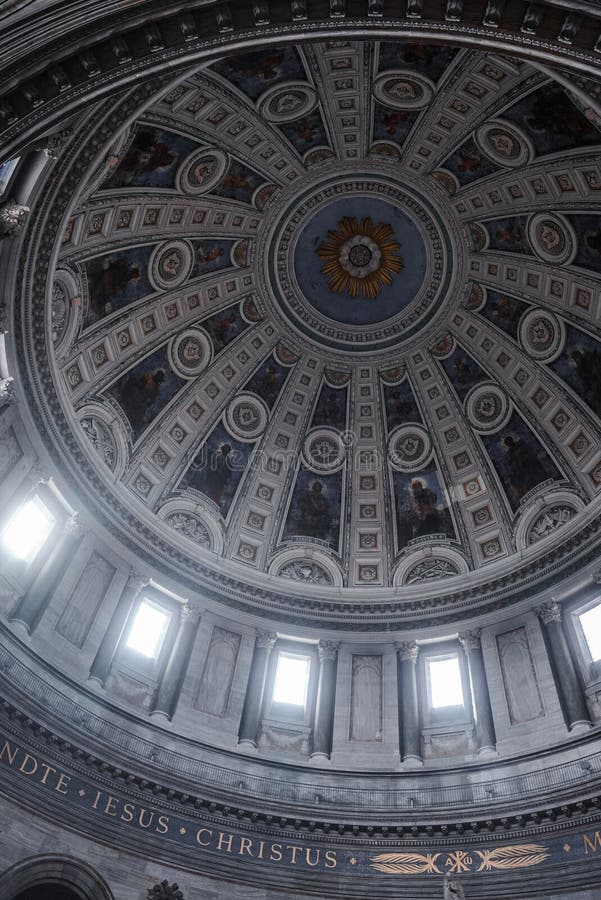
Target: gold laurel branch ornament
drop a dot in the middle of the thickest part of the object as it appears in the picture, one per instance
(519, 857)
(406, 863)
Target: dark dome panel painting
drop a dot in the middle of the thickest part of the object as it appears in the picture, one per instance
(300, 450)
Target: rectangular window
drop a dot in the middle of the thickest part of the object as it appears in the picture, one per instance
(291, 679)
(28, 529)
(148, 629)
(445, 688)
(591, 626)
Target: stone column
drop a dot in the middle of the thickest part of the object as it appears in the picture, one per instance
(485, 728)
(173, 677)
(112, 636)
(251, 714)
(567, 683)
(326, 691)
(408, 652)
(32, 605)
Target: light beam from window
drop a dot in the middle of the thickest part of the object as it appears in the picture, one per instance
(147, 630)
(28, 529)
(446, 688)
(591, 625)
(291, 680)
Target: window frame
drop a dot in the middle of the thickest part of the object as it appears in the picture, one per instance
(57, 520)
(291, 713)
(129, 659)
(444, 715)
(591, 668)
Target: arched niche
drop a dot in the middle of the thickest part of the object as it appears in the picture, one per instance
(53, 877)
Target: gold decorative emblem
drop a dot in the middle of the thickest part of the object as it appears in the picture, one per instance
(360, 257)
(520, 856)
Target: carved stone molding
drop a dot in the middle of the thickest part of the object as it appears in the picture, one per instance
(266, 640)
(12, 218)
(165, 891)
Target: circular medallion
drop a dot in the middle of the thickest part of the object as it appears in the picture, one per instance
(284, 103)
(324, 450)
(552, 238)
(358, 264)
(170, 264)
(409, 447)
(504, 143)
(487, 407)
(190, 353)
(403, 89)
(202, 171)
(246, 417)
(542, 335)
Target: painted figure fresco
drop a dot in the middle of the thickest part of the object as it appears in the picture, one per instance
(330, 409)
(504, 312)
(145, 390)
(552, 120)
(224, 326)
(116, 281)
(421, 508)
(427, 59)
(306, 132)
(588, 231)
(580, 366)
(211, 255)
(152, 159)
(252, 73)
(315, 507)
(520, 459)
(463, 371)
(268, 381)
(508, 235)
(392, 124)
(218, 467)
(469, 164)
(239, 183)
(400, 405)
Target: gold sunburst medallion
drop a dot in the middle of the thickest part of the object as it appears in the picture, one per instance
(360, 258)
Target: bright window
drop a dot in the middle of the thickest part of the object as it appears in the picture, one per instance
(444, 681)
(291, 679)
(28, 529)
(148, 629)
(591, 625)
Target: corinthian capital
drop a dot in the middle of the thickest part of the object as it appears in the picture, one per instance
(328, 649)
(408, 651)
(470, 640)
(549, 612)
(266, 640)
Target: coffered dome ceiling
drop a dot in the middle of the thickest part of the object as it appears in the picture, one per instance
(325, 320)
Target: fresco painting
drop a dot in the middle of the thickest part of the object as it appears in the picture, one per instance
(580, 367)
(239, 183)
(315, 507)
(504, 312)
(217, 468)
(427, 59)
(253, 73)
(421, 508)
(588, 231)
(520, 459)
(468, 163)
(400, 405)
(224, 326)
(211, 255)
(508, 235)
(463, 371)
(392, 124)
(145, 390)
(152, 159)
(552, 120)
(116, 281)
(306, 132)
(330, 410)
(268, 381)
